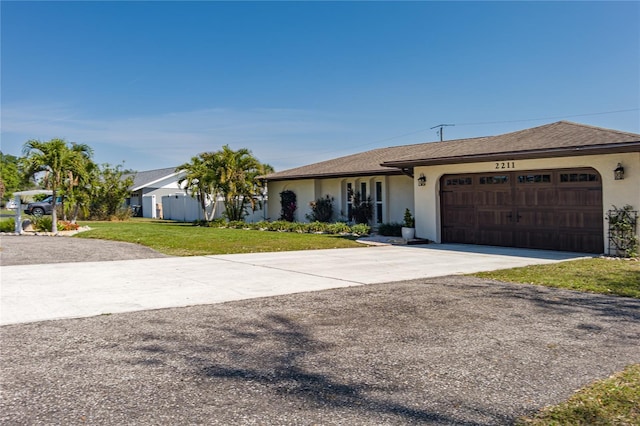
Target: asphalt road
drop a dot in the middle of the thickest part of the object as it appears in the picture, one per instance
(450, 350)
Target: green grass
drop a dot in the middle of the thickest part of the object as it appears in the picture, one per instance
(184, 239)
(612, 401)
(619, 277)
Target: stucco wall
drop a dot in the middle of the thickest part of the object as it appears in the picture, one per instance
(397, 195)
(614, 192)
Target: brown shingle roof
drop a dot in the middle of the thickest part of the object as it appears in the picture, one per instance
(556, 139)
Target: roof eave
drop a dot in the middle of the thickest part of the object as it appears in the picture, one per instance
(519, 155)
(146, 184)
(390, 171)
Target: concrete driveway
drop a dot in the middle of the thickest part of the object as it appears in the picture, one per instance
(70, 290)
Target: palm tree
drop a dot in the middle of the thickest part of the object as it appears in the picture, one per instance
(228, 173)
(238, 172)
(59, 162)
(200, 180)
(78, 181)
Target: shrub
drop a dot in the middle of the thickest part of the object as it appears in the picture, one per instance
(409, 221)
(7, 225)
(338, 228)
(279, 225)
(361, 210)
(237, 224)
(315, 227)
(288, 204)
(43, 224)
(67, 226)
(392, 229)
(622, 229)
(321, 210)
(361, 229)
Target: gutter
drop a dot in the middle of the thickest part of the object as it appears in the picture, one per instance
(517, 155)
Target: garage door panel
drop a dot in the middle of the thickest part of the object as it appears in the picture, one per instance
(494, 237)
(539, 239)
(580, 242)
(579, 197)
(549, 209)
(535, 197)
(587, 220)
(536, 218)
(458, 235)
(499, 198)
(491, 218)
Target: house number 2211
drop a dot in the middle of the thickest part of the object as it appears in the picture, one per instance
(506, 165)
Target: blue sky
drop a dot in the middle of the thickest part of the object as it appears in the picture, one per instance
(155, 83)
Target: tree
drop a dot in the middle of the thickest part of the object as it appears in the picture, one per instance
(109, 190)
(78, 183)
(200, 181)
(11, 177)
(237, 173)
(57, 161)
(230, 174)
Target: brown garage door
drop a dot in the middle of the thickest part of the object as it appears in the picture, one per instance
(544, 209)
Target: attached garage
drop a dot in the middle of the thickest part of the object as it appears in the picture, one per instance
(541, 209)
(548, 187)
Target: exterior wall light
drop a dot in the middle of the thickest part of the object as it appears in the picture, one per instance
(422, 180)
(619, 172)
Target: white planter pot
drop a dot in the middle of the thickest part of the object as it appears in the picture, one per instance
(408, 233)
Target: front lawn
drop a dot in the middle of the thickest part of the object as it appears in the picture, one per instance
(612, 401)
(185, 239)
(619, 277)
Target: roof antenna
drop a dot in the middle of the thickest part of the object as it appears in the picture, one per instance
(440, 130)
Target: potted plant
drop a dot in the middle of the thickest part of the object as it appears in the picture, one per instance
(408, 230)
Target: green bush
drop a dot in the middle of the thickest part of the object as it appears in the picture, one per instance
(288, 204)
(338, 228)
(279, 225)
(361, 229)
(392, 229)
(316, 227)
(7, 225)
(237, 224)
(284, 226)
(43, 224)
(321, 210)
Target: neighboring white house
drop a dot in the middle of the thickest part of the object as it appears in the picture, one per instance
(547, 187)
(157, 194)
(149, 187)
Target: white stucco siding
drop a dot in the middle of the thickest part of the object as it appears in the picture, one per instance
(400, 195)
(304, 190)
(615, 192)
(397, 195)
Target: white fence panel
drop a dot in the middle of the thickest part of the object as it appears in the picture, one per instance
(185, 208)
(149, 206)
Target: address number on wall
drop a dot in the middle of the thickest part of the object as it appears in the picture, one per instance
(505, 165)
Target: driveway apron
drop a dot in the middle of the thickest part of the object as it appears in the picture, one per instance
(71, 290)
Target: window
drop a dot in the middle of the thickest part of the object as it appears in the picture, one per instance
(494, 180)
(459, 181)
(349, 200)
(534, 178)
(578, 177)
(378, 202)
